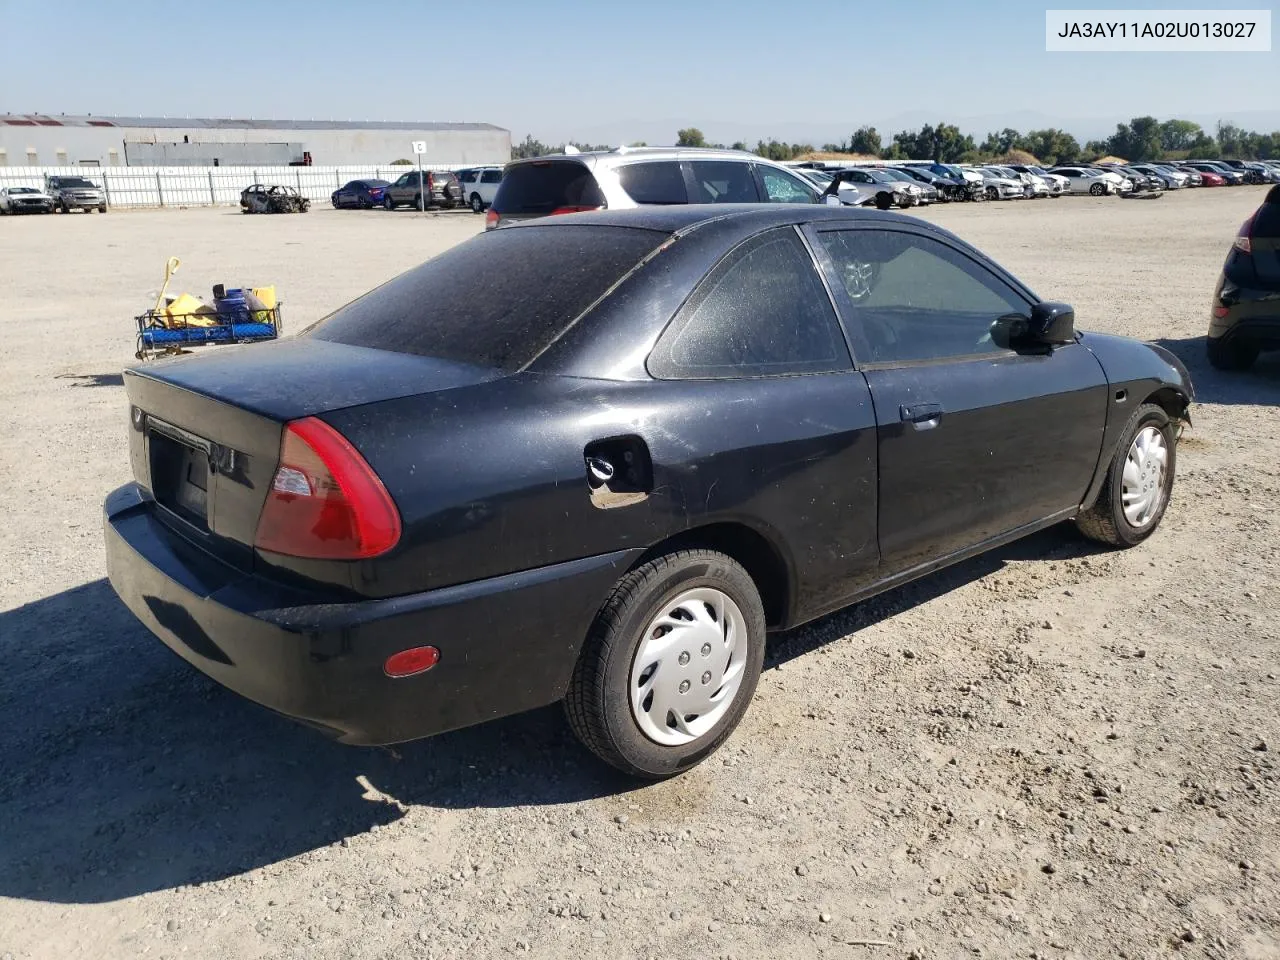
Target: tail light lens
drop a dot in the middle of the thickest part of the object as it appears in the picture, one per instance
(1244, 236)
(325, 502)
(491, 218)
(431, 182)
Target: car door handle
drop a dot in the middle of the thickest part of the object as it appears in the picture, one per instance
(924, 416)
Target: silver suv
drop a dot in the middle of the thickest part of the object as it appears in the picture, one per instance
(638, 176)
(75, 193)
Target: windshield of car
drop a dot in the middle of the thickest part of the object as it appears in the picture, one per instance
(879, 176)
(74, 182)
(22, 190)
(497, 300)
(820, 175)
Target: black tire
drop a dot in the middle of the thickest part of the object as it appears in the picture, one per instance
(1231, 353)
(103, 208)
(418, 204)
(598, 706)
(388, 203)
(1105, 520)
(884, 200)
(1097, 189)
(477, 205)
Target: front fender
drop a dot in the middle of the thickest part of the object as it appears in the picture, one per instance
(1137, 373)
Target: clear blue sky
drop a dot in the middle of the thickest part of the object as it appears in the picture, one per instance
(558, 68)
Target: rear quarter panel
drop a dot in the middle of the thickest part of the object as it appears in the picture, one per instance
(491, 479)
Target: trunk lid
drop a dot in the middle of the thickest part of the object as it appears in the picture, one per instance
(206, 430)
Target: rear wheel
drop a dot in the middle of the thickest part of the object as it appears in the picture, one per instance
(992, 193)
(670, 664)
(1231, 353)
(477, 205)
(1097, 189)
(1138, 484)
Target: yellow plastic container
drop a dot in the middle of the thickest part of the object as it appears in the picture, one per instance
(190, 311)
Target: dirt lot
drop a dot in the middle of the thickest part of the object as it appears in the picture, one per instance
(1053, 751)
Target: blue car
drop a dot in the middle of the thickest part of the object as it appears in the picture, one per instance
(363, 194)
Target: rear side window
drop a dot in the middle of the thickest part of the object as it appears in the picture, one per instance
(497, 300)
(491, 176)
(762, 311)
(723, 181)
(544, 186)
(660, 182)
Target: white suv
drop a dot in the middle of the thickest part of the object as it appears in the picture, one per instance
(479, 186)
(634, 177)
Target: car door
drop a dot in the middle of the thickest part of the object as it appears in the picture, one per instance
(765, 420)
(974, 440)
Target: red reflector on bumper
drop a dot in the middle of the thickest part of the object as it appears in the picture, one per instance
(1220, 312)
(415, 660)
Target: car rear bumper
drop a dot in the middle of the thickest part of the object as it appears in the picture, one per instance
(506, 644)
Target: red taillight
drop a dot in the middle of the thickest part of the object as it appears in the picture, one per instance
(491, 218)
(1220, 312)
(559, 210)
(408, 662)
(1244, 236)
(325, 501)
(431, 182)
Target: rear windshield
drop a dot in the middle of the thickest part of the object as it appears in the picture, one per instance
(547, 185)
(497, 300)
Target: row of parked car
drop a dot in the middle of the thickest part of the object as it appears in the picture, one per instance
(914, 182)
(421, 189)
(59, 195)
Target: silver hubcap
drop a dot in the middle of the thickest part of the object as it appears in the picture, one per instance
(689, 667)
(1142, 488)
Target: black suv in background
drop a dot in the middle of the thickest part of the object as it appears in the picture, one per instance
(1245, 318)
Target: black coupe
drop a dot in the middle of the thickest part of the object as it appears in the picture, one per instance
(594, 458)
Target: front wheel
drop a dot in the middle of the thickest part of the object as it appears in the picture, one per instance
(1097, 189)
(670, 664)
(993, 193)
(1138, 483)
(884, 201)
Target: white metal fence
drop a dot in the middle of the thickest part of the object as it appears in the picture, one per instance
(206, 186)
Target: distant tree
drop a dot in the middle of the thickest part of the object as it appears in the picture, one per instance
(1002, 142)
(738, 145)
(402, 163)
(865, 140)
(638, 143)
(530, 148)
(1178, 134)
(1094, 149)
(1139, 139)
(690, 137)
(944, 143)
(1204, 147)
(1051, 146)
(893, 152)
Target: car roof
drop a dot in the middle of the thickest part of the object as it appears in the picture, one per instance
(622, 155)
(675, 218)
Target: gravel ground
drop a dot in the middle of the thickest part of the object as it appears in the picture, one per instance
(1051, 751)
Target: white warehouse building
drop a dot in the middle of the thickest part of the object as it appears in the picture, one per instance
(33, 140)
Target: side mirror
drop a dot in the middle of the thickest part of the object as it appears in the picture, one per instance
(831, 200)
(1050, 325)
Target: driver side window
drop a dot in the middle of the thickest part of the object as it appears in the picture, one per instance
(914, 298)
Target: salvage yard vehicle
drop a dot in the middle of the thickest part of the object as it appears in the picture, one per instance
(479, 186)
(886, 192)
(1245, 317)
(639, 176)
(361, 194)
(260, 198)
(75, 193)
(439, 187)
(595, 458)
(25, 200)
(1090, 180)
(846, 192)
